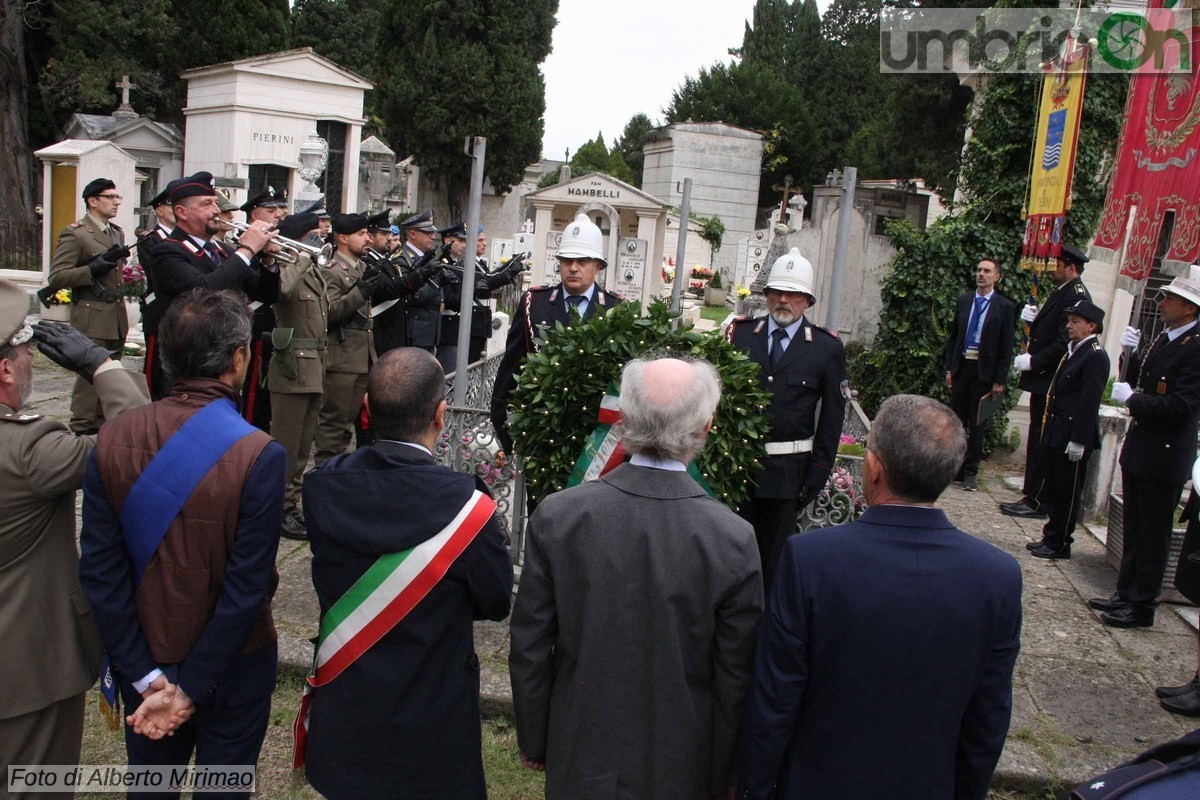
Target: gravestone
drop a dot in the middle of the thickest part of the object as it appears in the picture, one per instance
(629, 276)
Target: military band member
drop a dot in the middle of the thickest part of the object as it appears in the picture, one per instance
(978, 357)
(350, 348)
(379, 227)
(296, 374)
(1159, 449)
(481, 313)
(269, 207)
(151, 307)
(422, 313)
(393, 239)
(52, 650)
(87, 260)
(803, 366)
(318, 237)
(576, 297)
(227, 207)
(190, 258)
(1046, 347)
(1071, 432)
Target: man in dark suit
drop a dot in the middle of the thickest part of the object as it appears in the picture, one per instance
(152, 309)
(580, 258)
(884, 661)
(416, 320)
(268, 206)
(1046, 347)
(633, 629)
(978, 357)
(803, 366)
(178, 561)
(1156, 459)
(189, 258)
(402, 718)
(1072, 430)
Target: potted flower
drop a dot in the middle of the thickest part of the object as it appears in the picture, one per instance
(714, 292)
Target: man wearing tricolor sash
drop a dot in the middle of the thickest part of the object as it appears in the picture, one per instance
(406, 555)
(183, 502)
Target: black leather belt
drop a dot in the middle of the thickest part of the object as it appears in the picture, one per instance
(357, 324)
(90, 293)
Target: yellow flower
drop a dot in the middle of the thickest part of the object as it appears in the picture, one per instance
(63, 295)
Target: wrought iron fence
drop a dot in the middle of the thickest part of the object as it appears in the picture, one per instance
(468, 444)
(20, 245)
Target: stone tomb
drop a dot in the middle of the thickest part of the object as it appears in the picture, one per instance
(634, 224)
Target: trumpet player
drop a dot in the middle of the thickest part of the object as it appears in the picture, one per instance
(190, 257)
(268, 206)
(296, 373)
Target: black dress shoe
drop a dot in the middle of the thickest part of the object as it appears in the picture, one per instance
(1178, 691)
(1021, 509)
(1108, 603)
(1044, 550)
(968, 483)
(1033, 545)
(1186, 704)
(1128, 617)
(293, 528)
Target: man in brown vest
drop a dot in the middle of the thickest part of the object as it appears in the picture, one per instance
(183, 501)
(51, 648)
(87, 260)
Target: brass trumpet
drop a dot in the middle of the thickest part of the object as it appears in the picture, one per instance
(289, 249)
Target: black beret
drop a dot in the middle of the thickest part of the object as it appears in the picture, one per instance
(315, 207)
(295, 226)
(380, 221)
(1073, 255)
(198, 185)
(97, 186)
(349, 223)
(1089, 311)
(267, 198)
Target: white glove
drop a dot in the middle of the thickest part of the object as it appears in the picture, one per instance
(1130, 338)
(1121, 392)
(1023, 362)
(1029, 313)
(1074, 451)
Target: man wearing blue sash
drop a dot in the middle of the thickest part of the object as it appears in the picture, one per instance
(183, 502)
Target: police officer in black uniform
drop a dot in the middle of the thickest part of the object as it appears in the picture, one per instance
(152, 308)
(1072, 427)
(1046, 347)
(580, 258)
(1156, 459)
(803, 366)
(416, 265)
(481, 312)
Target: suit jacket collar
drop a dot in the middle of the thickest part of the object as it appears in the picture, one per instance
(656, 483)
(399, 451)
(906, 517)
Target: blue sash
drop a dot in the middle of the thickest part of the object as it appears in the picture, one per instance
(161, 490)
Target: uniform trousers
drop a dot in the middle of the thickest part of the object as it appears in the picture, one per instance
(774, 520)
(1149, 510)
(1034, 488)
(294, 425)
(1063, 490)
(51, 735)
(966, 392)
(87, 414)
(343, 398)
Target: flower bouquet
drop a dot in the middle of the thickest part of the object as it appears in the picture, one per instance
(133, 282)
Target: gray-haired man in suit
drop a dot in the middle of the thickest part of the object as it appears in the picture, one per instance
(634, 625)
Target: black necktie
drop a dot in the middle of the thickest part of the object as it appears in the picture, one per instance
(213, 254)
(778, 337)
(573, 302)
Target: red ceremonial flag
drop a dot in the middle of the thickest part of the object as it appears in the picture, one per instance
(1157, 170)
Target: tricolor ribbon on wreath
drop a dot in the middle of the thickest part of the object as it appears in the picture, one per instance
(603, 451)
(379, 600)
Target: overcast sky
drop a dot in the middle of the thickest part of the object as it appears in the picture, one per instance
(615, 58)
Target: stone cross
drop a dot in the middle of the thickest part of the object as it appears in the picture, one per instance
(788, 191)
(125, 110)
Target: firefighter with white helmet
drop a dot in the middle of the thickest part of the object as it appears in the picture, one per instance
(803, 366)
(576, 297)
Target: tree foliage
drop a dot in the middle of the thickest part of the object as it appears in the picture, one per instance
(594, 156)
(630, 145)
(447, 71)
(558, 398)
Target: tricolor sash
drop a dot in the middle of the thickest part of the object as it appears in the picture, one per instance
(159, 493)
(379, 600)
(603, 451)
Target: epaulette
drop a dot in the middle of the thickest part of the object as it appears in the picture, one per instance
(1096, 345)
(733, 323)
(74, 225)
(825, 331)
(162, 236)
(1080, 289)
(540, 288)
(16, 416)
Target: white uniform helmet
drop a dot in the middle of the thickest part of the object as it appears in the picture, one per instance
(792, 273)
(582, 239)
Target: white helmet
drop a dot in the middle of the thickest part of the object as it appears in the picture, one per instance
(792, 273)
(582, 239)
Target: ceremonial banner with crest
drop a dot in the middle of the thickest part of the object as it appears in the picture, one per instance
(1157, 170)
(1053, 164)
